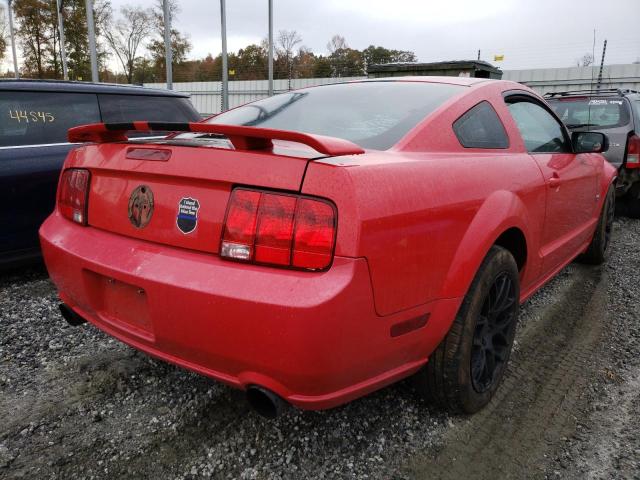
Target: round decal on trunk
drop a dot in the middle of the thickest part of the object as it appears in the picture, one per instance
(141, 206)
(187, 219)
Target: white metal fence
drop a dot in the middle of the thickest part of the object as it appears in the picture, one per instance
(206, 96)
(545, 80)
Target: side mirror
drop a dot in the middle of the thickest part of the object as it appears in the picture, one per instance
(589, 142)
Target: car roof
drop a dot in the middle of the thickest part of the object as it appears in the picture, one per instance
(603, 92)
(463, 81)
(84, 87)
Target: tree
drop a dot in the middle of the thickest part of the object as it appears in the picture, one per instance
(322, 67)
(585, 60)
(126, 34)
(250, 63)
(304, 63)
(379, 55)
(76, 36)
(347, 62)
(180, 45)
(32, 17)
(3, 33)
(286, 42)
(337, 42)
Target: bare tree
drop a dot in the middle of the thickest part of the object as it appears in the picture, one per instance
(337, 42)
(127, 34)
(585, 60)
(287, 40)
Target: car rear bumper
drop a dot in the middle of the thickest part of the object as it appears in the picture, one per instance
(313, 338)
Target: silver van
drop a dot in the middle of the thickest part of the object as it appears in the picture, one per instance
(616, 113)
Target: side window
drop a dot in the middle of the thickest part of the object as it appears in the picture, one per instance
(131, 108)
(481, 127)
(540, 131)
(32, 118)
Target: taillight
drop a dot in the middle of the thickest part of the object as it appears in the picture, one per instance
(72, 194)
(633, 152)
(279, 229)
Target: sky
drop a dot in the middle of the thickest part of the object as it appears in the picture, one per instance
(529, 33)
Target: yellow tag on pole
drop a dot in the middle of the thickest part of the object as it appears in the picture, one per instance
(498, 58)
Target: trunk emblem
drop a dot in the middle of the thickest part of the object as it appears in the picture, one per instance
(187, 219)
(141, 206)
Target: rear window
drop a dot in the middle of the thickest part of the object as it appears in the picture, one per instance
(371, 114)
(33, 118)
(131, 108)
(592, 112)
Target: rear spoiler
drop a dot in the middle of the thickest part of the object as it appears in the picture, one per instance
(242, 137)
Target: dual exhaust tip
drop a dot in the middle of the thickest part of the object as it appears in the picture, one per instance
(263, 401)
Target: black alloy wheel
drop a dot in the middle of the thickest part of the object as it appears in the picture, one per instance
(494, 329)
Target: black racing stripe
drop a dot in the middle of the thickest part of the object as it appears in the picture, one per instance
(170, 126)
(119, 126)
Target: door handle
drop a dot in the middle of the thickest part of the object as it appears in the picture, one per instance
(554, 181)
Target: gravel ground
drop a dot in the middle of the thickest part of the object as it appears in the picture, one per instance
(77, 404)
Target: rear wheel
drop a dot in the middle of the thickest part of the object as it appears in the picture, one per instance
(599, 247)
(466, 369)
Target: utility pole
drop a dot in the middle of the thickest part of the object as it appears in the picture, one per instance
(13, 40)
(168, 49)
(604, 51)
(270, 47)
(63, 51)
(91, 32)
(225, 69)
(478, 54)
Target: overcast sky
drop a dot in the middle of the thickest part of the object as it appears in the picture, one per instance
(529, 33)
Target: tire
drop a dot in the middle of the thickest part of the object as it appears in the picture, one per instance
(631, 202)
(456, 378)
(598, 249)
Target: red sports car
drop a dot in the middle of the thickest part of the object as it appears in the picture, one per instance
(317, 245)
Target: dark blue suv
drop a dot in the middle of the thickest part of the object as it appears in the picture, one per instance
(34, 118)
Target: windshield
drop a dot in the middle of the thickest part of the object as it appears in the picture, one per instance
(373, 115)
(592, 112)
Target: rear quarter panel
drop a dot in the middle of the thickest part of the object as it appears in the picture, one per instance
(424, 222)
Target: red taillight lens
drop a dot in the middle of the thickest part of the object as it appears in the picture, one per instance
(633, 152)
(314, 234)
(279, 229)
(274, 229)
(72, 194)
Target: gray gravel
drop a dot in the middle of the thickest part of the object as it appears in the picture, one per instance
(77, 404)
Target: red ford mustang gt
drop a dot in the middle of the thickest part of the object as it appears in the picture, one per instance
(318, 245)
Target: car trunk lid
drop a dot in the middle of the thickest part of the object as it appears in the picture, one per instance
(180, 201)
(175, 191)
